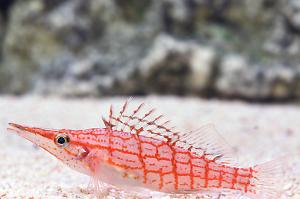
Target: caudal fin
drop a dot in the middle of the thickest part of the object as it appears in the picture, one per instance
(268, 179)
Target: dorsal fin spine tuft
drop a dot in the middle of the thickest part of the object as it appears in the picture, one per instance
(144, 123)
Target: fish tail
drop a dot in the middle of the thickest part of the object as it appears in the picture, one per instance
(267, 179)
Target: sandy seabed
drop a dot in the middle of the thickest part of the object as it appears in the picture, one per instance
(256, 132)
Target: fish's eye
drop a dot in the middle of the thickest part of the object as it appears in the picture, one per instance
(62, 140)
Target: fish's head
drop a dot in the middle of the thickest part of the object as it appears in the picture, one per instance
(58, 143)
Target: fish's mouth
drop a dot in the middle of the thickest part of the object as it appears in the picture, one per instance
(27, 132)
(15, 127)
(22, 131)
(40, 137)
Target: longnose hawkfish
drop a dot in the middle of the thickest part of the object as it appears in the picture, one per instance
(137, 150)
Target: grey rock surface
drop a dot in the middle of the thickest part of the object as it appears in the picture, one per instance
(97, 47)
(177, 67)
(237, 77)
(47, 44)
(292, 13)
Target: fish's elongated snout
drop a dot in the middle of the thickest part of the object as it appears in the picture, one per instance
(14, 126)
(57, 142)
(23, 130)
(43, 138)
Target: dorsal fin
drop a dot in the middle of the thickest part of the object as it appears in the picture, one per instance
(208, 141)
(145, 122)
(141, 121)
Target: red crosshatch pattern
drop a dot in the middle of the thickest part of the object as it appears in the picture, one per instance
(166, 167)
(139, 145)
(140, 148)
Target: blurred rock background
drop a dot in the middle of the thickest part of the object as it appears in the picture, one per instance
(212, 48)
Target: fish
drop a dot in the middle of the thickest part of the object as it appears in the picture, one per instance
(138, 150)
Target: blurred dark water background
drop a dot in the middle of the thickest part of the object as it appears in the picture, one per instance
(246, 49)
